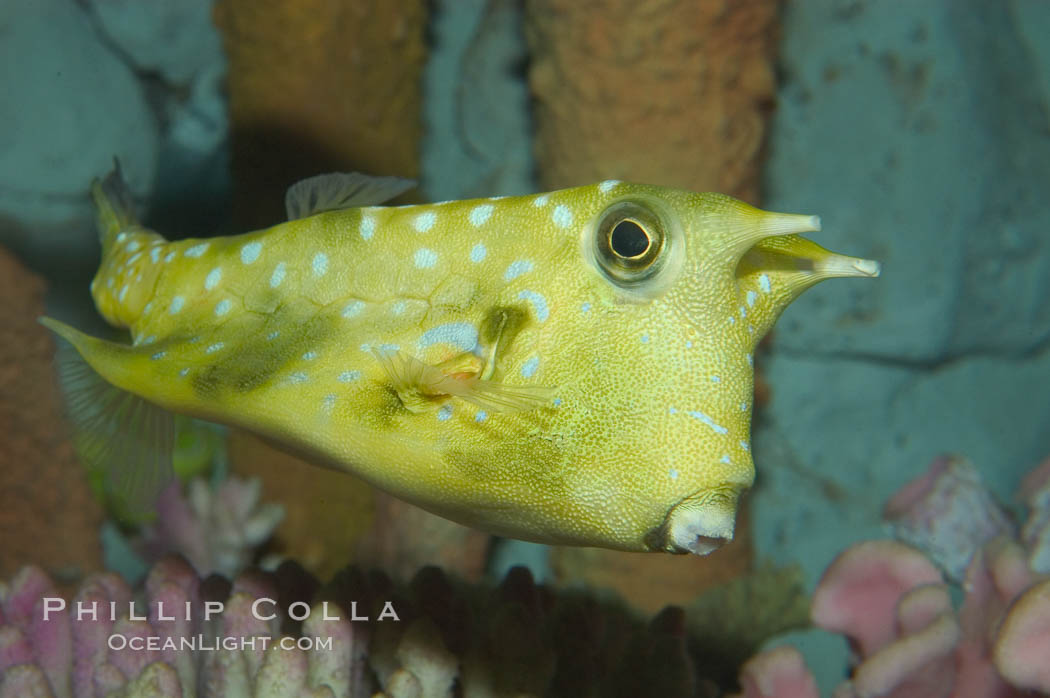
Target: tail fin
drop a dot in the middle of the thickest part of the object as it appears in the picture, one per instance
(124, 440)
(115, 210)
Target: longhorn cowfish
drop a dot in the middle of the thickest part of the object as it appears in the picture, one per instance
(573, 367)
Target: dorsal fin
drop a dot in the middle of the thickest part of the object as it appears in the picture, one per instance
(330, 192)
(114, 208)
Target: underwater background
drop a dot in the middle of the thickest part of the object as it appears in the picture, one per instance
(918, 131)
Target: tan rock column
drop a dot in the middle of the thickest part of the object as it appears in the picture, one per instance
(317, 86)
(672, 92)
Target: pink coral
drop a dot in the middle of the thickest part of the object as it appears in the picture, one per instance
(217, 529)
(777, 672)
(949, 513)
(893, 606)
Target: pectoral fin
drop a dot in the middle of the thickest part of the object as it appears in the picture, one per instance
(422, 387)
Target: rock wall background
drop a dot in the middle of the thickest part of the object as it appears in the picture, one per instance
(918, 131)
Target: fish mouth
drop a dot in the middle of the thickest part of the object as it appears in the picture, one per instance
(700, 524)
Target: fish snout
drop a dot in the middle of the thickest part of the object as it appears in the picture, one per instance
(699, 524)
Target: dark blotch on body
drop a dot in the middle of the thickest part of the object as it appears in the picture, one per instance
(254, 361)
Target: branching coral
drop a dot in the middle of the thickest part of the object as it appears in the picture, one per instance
(217, 529)
(894, 606)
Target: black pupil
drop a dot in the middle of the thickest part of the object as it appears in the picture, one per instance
(628, 239)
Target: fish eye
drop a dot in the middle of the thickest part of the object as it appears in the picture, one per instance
(629, 243)
(628, 239)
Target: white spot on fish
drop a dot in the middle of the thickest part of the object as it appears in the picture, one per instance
(424, 221)
(562, 216)
(154, 255)
(197, 250)
(556, 402)
(745, 445)
(538, 302)
(743, 311)
(461, 335)
(673, 473)
(390, 347)
(320, 264)
(121, 237)
(481, 416)
(743, 407)
(763, 283)
(168, 257)
(586, 307)
(732, 319)
(310, 356)
(348, 376)
(750, 360)
(477, 254)
(328, 403)
(517, 268)
(110, 282)
(298, 377)
(480, 214)
(672, 410)
(250, 252)
(352, 308)
(607, 186)
(718, 428)
(159, 355)
(212, 279)
(366, 347)
(211, 349)
(132, 246)
(176, 304)
(368, 227)
(528, 369)
(183, 372)
(445, 413)
(398, 308)
(425, 258)
(751, 298)
(273, 335)
(278, 275)
(223, 307)
(715, 379)
(541, 200)
(725, 458)
(645, 339)
(123, 292)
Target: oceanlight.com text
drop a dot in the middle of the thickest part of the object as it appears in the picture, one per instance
(200, 643)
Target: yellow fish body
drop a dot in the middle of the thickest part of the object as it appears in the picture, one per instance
(572, 367)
